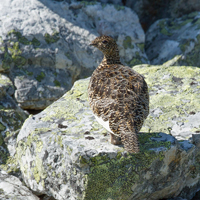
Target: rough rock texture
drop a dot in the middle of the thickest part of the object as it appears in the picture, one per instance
(150, 11)
(168, 38)
(44, 45)
(11, 118)
(11, 188)
(64, 152)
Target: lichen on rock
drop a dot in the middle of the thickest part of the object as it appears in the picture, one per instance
(169, 37)
(65, 146)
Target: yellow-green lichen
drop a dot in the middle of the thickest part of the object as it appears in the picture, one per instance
(69, 150)
(13, 52)
(51, 38)
(40, 77)
(38, 170)
(2, 127)
(163, 28)
(87, 3)
(10, 165)
(22, 39)
(71, 106)
(58, 140)
(6, 82)
(7, 60)
(173, 102)
(135, 61)
(35, 42)
(57, 83)
(127, 43)
(118, 7)
(29, 73)
(186, 44)
(67, 55)
(3, 151)
(117, 175)
(14, 55)
(141, 46)
(192, 58)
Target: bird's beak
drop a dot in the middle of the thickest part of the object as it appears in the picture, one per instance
(93, 44)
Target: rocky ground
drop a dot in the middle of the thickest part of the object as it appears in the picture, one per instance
(62, 152)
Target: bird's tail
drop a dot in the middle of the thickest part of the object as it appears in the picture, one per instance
(129, 139)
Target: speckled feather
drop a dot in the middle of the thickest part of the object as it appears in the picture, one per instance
(118, 94)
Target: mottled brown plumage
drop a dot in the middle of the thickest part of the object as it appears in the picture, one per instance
(118, 95)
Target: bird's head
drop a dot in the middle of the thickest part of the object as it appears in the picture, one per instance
(106, 44)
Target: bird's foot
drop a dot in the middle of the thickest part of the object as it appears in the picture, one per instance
(115, 139)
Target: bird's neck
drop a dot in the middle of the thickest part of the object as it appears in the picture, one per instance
(111, 58)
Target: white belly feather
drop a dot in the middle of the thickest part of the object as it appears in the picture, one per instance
(105, 124)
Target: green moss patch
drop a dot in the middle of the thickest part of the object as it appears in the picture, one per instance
(3, 151)
(87, 3)
(40, 77)
(22, 39)
(115, 177)
(57, 83)
(118, 8)
(51, 38)
(127, 43)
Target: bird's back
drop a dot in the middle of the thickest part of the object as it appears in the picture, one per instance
(119, 95)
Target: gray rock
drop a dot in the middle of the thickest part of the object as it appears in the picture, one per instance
(177, 198)
(11, 119)
(11, 188)
(6, 85)
(64, 152)
(150, 11)
(178, 8)
(45, 44)
(116, 2)
(180, 38)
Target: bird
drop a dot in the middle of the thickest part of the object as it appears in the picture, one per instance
(118, 96)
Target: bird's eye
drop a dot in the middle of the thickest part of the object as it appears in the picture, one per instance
(105, 42)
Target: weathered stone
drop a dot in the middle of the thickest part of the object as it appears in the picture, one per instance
(6, 85)
(11, 188)
(45, 44)
(150, 11)
(168, 38)
(64, 152)
(177, 198)
(11, 120)
(174, 93)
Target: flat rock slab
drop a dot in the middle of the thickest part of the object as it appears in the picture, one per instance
(63, 152)
(174, 100)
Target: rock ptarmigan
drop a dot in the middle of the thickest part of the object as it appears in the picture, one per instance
(118, 96)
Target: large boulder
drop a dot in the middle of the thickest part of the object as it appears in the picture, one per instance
(168, 38)
(11, 119)
(11, 188)
(44, 45)
(150, 11)
(64, 152)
